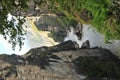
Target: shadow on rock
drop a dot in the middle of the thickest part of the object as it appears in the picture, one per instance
(41, 58)
(13, 59)
(106, 66)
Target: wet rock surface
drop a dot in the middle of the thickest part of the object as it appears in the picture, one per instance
(58, 26)
(61, 62)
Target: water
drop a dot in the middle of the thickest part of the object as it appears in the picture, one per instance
(95, 38)
(36, 38)
(33, 38)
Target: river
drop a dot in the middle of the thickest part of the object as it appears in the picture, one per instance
(95, 38)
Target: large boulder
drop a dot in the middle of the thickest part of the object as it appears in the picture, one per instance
(58, 26)
(61, 62)
(55, 24)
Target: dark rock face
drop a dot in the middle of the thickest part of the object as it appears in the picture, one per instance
(61, 62)
(78, 30)
(68, 45)
(86, 44)
(58, 26)
(55, 24)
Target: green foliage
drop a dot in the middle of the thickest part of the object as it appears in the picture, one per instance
(101, 14)
(99, 10)
(8, 28)
(103, 19)
(73, 22)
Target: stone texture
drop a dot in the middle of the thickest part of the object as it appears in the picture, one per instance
(60, 62)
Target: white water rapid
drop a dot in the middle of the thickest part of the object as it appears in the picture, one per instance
(95, 38)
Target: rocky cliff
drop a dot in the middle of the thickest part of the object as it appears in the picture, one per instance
(61, 62)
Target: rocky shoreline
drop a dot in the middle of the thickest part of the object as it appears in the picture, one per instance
(64, 61)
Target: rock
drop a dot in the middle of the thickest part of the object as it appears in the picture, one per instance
(86, 44)
(53, 23)
(68, 45)
(58, 26)
(61, 62)
(78, 30)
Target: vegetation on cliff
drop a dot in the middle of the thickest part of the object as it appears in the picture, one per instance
(103, 14)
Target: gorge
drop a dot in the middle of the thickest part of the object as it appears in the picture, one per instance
(59, 40)
(63, 61)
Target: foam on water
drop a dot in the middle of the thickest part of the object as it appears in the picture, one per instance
(95, 38)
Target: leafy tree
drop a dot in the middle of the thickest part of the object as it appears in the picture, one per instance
(8, 28)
